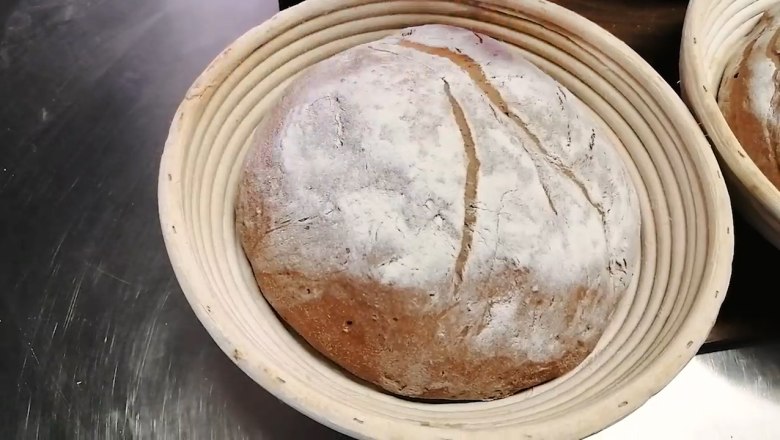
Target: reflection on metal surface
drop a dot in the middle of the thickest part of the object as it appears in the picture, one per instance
(732, 394)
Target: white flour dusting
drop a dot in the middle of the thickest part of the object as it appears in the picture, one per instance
(369, 168)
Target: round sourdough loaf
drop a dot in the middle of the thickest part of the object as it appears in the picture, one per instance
(749, 96)
(438, 216)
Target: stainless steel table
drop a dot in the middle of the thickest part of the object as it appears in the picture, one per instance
(96, 339)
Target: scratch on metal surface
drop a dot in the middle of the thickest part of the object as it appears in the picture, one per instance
(30, 352)
(149, 336)
(73, 299)
(111, 275)
(111, 345)
(113, 379)
(165, 399)
(139, 368)
(20, 381)
(149, 345)
(99, 269)
(73, 185)
(47, 302)
(57, 249)
(35, 357)
(27, 417)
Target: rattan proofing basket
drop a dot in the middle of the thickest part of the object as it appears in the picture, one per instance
(686, 231)
(714, 29)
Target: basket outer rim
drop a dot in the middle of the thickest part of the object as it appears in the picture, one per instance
(584, 422)
(742, 170)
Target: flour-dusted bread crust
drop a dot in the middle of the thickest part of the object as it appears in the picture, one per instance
(749, 96)
(438, 216)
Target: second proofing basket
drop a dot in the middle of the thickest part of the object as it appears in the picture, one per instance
(714, 30)
(687, 241)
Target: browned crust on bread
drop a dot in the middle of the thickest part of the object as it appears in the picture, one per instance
(760, 138)
(406, 346)
(773, 125)
(363, 326)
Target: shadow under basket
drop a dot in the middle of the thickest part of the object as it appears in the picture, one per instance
(687, 242)
(713, 31)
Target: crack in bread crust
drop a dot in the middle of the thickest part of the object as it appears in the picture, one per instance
(470, 189)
